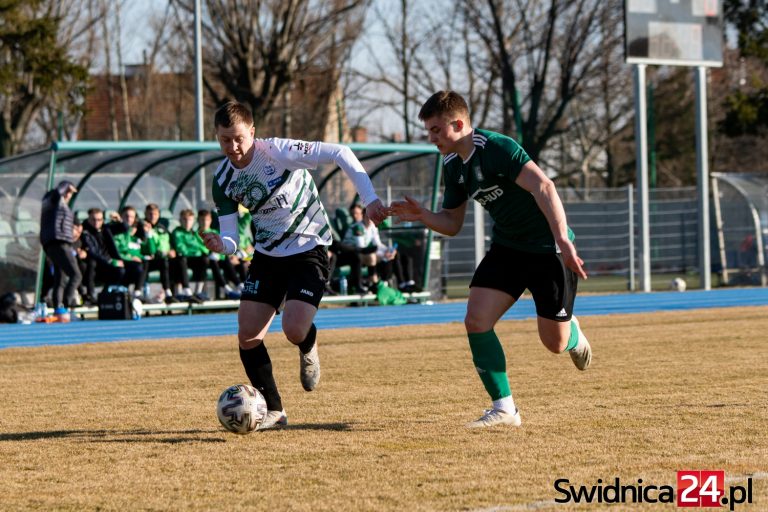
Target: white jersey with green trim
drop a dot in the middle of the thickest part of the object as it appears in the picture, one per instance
(278, 190)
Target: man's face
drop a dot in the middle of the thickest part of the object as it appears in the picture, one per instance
(152, 215)
(96, 220)
(187, 222)
(204, 221)
(443, 132)
(129, 217)
(357, 214)
(236, 142)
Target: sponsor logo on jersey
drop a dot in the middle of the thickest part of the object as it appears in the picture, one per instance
(269, 170)
(273, 182)
(307, 292)
(478, 171)
(304, 147)
(461, 178)
(486, 195)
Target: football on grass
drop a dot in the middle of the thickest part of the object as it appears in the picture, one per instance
(241, 408)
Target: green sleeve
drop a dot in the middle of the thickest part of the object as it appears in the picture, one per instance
(509, 157)
(121, 244)
(454, 194)
(149, 247)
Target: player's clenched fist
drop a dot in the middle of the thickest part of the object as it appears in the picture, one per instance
(213, 242)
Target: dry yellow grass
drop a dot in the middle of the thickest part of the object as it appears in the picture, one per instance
(132, 426)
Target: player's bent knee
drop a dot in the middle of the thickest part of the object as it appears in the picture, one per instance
(248, 342)
(295, 333)
(554, 344)
(475, 323)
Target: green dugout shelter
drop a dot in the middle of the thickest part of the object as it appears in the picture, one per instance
(176, 176)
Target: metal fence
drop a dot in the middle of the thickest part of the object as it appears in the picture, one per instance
(604, 221)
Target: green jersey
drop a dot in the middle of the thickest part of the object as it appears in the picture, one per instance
(128, 245)
(489, 177)
(188, 243)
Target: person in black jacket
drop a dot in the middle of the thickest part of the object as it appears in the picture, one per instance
(56, 221)
(102, 262)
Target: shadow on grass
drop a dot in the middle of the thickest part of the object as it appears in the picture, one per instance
(120, 436)
(338, 427)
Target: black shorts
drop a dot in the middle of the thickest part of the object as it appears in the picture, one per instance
(298, 277)
(552, 284)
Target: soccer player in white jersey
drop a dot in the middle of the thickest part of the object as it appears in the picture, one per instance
(270, 177)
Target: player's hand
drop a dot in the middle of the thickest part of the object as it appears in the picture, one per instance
(571, 259)
(377, 212)
(212, 241)
(406, 211)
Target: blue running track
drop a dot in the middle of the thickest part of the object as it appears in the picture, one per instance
(183, 326)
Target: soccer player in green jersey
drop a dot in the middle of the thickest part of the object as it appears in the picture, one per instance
(271, 178)
(532, 246)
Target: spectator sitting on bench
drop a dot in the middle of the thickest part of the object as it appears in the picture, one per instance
(157, 251)
(381, 259)
(348, 252)
(222, 266)
(190, 254)
(362, 245)
(129, 241)
(102, 262)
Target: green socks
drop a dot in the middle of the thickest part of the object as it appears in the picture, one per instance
(574, 339)
(488, 356)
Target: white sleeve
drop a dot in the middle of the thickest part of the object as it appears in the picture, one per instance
(298, 154)
(344, 157)
(230, 235)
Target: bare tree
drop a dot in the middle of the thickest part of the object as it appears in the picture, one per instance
(547, 52)
(254, 53)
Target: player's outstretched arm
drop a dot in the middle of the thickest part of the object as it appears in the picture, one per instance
(446, 221)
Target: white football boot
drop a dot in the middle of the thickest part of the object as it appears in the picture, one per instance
(273, 419)
(581, 354)
(309, 369)
(493, 417)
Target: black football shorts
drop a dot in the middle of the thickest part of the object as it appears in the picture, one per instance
(551, 283)
(298, 277)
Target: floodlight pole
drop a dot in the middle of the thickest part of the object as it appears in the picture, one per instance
(641, 165)
(702, 172)
(199, 127)
(199, 133)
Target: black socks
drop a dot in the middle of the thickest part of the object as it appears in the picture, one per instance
(258, 367)
(309, 342)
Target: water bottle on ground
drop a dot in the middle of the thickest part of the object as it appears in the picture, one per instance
(343, 288)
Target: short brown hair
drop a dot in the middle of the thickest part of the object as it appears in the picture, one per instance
(448, 103)
(186, 213)
(231, 113)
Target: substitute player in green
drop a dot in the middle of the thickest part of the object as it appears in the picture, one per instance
(532, 246)
(270, 178)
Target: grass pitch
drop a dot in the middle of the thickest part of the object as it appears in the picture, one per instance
(132, 426)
